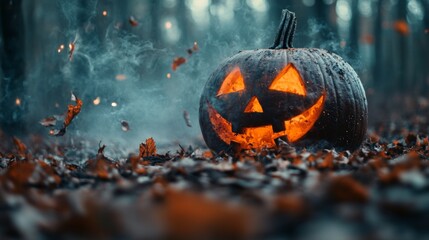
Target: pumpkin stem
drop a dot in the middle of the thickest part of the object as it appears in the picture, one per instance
(286, 31)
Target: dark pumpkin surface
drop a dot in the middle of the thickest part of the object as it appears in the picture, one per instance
(342, 123)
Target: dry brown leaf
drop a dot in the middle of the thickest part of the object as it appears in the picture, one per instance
(177, 62)
(72, 110)
(346, 189)
(20, 146)
(148, 148)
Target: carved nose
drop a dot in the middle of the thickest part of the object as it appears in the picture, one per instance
(253, 106)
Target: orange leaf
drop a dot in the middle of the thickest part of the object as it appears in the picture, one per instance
(148, 148)
(72, 111)
(20, 146)
(177, 62)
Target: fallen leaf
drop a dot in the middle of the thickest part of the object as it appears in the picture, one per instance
(20, 146)
(347, 189)
(148, 148)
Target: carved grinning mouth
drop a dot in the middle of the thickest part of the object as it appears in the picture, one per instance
(263, 136)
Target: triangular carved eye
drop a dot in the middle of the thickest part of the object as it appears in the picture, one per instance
(289, 80)
(233, 83)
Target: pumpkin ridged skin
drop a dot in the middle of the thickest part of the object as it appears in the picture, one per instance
(343, 121)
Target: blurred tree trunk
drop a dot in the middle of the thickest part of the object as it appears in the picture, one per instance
(402, 78)
(378, 48)
(425, 51)
(13, 67)
(354, 30)
(156, 34)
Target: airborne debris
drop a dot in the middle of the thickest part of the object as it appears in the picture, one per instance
(193, 49)
(50, 121)
(125, 126)
(187, 118)
(177, 62)
(181, 60)
(72, 112)
(72, 47)
(133, 22)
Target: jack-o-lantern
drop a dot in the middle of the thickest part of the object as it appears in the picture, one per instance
(300, 95)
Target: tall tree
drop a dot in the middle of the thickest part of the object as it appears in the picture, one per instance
(12, 55)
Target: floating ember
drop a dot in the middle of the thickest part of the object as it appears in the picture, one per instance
(401, 26)
(104, 13)
(96, 101)
(121, 77)
(168, 25)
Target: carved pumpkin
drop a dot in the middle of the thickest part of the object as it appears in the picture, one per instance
(303, 96)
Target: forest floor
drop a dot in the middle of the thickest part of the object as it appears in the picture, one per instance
(380, 191)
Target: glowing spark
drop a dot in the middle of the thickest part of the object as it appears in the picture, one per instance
(96, 101)
(114, 104)
(168, 25)
(168, 75)
(104, 13)
(17, 102)
(61, 48)
(121, 77)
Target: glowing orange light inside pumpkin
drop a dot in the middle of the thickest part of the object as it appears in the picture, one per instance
(233, 83)
(253, 106)
(258, 137)
(289, 80)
